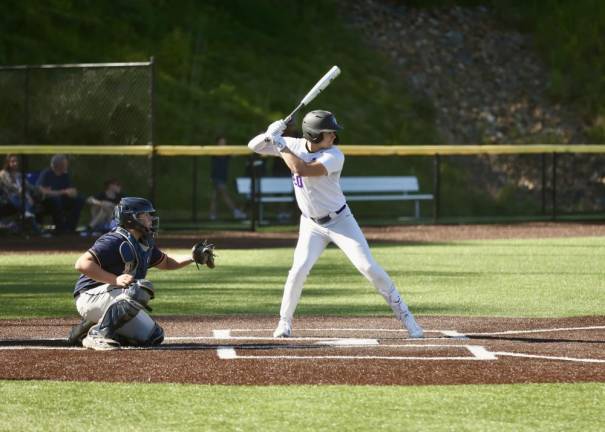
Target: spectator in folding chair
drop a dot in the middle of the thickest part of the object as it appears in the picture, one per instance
(102, 206)
(7, 212)
(12, 192)
(61, 198)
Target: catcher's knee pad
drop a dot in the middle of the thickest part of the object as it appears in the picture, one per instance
(117, 314)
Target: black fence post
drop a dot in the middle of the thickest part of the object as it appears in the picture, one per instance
(23, 159)
(194, 191)
(554, 186)
(543, 162)
(253, 193)
(436, 186)
(152, 161)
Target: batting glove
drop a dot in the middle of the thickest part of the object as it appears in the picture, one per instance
(276, 128)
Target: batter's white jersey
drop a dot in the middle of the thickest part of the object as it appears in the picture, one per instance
(316, 196)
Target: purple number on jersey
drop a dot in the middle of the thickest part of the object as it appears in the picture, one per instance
(297, 180)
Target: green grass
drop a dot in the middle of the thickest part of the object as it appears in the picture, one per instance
(66, 406)
(541, 278)
(524, 278)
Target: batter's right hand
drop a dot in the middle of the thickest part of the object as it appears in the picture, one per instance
(276, 128)
(124, 280)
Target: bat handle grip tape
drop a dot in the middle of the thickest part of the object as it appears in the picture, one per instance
(289, 118)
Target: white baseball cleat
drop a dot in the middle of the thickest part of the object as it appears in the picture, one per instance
(283, 330)
(100, 343)
(414, 330)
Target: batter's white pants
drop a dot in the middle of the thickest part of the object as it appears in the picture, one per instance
(93, 303)
(346, 234)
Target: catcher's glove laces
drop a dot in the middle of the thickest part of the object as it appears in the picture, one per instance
(203, 254)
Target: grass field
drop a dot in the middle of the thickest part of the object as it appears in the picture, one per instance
(152, 407)
(537, 278)
(525, 278)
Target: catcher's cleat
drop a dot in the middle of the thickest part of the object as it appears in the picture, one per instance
(283, 330)
(79, 332)
(414, 330)
(100, 343)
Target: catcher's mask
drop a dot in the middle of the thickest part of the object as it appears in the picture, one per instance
(319, 121)
(127, 214)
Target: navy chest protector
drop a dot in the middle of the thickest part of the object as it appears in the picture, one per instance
(136, 257)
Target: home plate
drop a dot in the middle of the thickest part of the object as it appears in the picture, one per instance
(348, 342)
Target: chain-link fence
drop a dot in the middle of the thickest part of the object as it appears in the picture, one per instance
(82, 104)
(112, 104)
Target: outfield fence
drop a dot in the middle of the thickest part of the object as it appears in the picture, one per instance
(540, 184)
(102, 116)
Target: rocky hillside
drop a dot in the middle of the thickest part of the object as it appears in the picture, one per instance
(487, 85)
(486, 82)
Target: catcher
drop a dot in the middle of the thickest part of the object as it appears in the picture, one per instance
(112, 295)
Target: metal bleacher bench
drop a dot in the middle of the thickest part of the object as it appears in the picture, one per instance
(376, 188)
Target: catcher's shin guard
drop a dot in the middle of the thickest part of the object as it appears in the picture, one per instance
(79, 332)
(156, 337)
(125, 307)
(116, 315)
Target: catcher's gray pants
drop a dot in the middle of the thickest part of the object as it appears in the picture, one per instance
(92, 304)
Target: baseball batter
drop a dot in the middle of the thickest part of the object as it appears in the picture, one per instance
(316, 165)
(112, 295)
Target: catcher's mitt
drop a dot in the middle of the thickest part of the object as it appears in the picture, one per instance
(203, 254)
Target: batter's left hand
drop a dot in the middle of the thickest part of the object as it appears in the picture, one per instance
(276, 128)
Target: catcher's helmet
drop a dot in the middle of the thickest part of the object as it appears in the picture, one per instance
(318, 121)
(129, 208)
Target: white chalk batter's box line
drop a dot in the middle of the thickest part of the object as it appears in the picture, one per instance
(478, 352)
(228, 351)
(228, 333)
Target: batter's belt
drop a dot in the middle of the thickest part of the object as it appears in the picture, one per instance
(324, 220)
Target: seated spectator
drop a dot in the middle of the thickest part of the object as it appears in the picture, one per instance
(219, 174)
(12, 192)
(102, 206)
(7, 210)
(61, 198)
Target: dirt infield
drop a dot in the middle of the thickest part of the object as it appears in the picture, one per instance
(326, 350)
(400, 234)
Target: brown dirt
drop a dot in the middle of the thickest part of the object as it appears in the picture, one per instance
(401, 234)
(26, 352)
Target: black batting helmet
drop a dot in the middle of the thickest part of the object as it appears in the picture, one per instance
(129, 208)
(319, 121)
